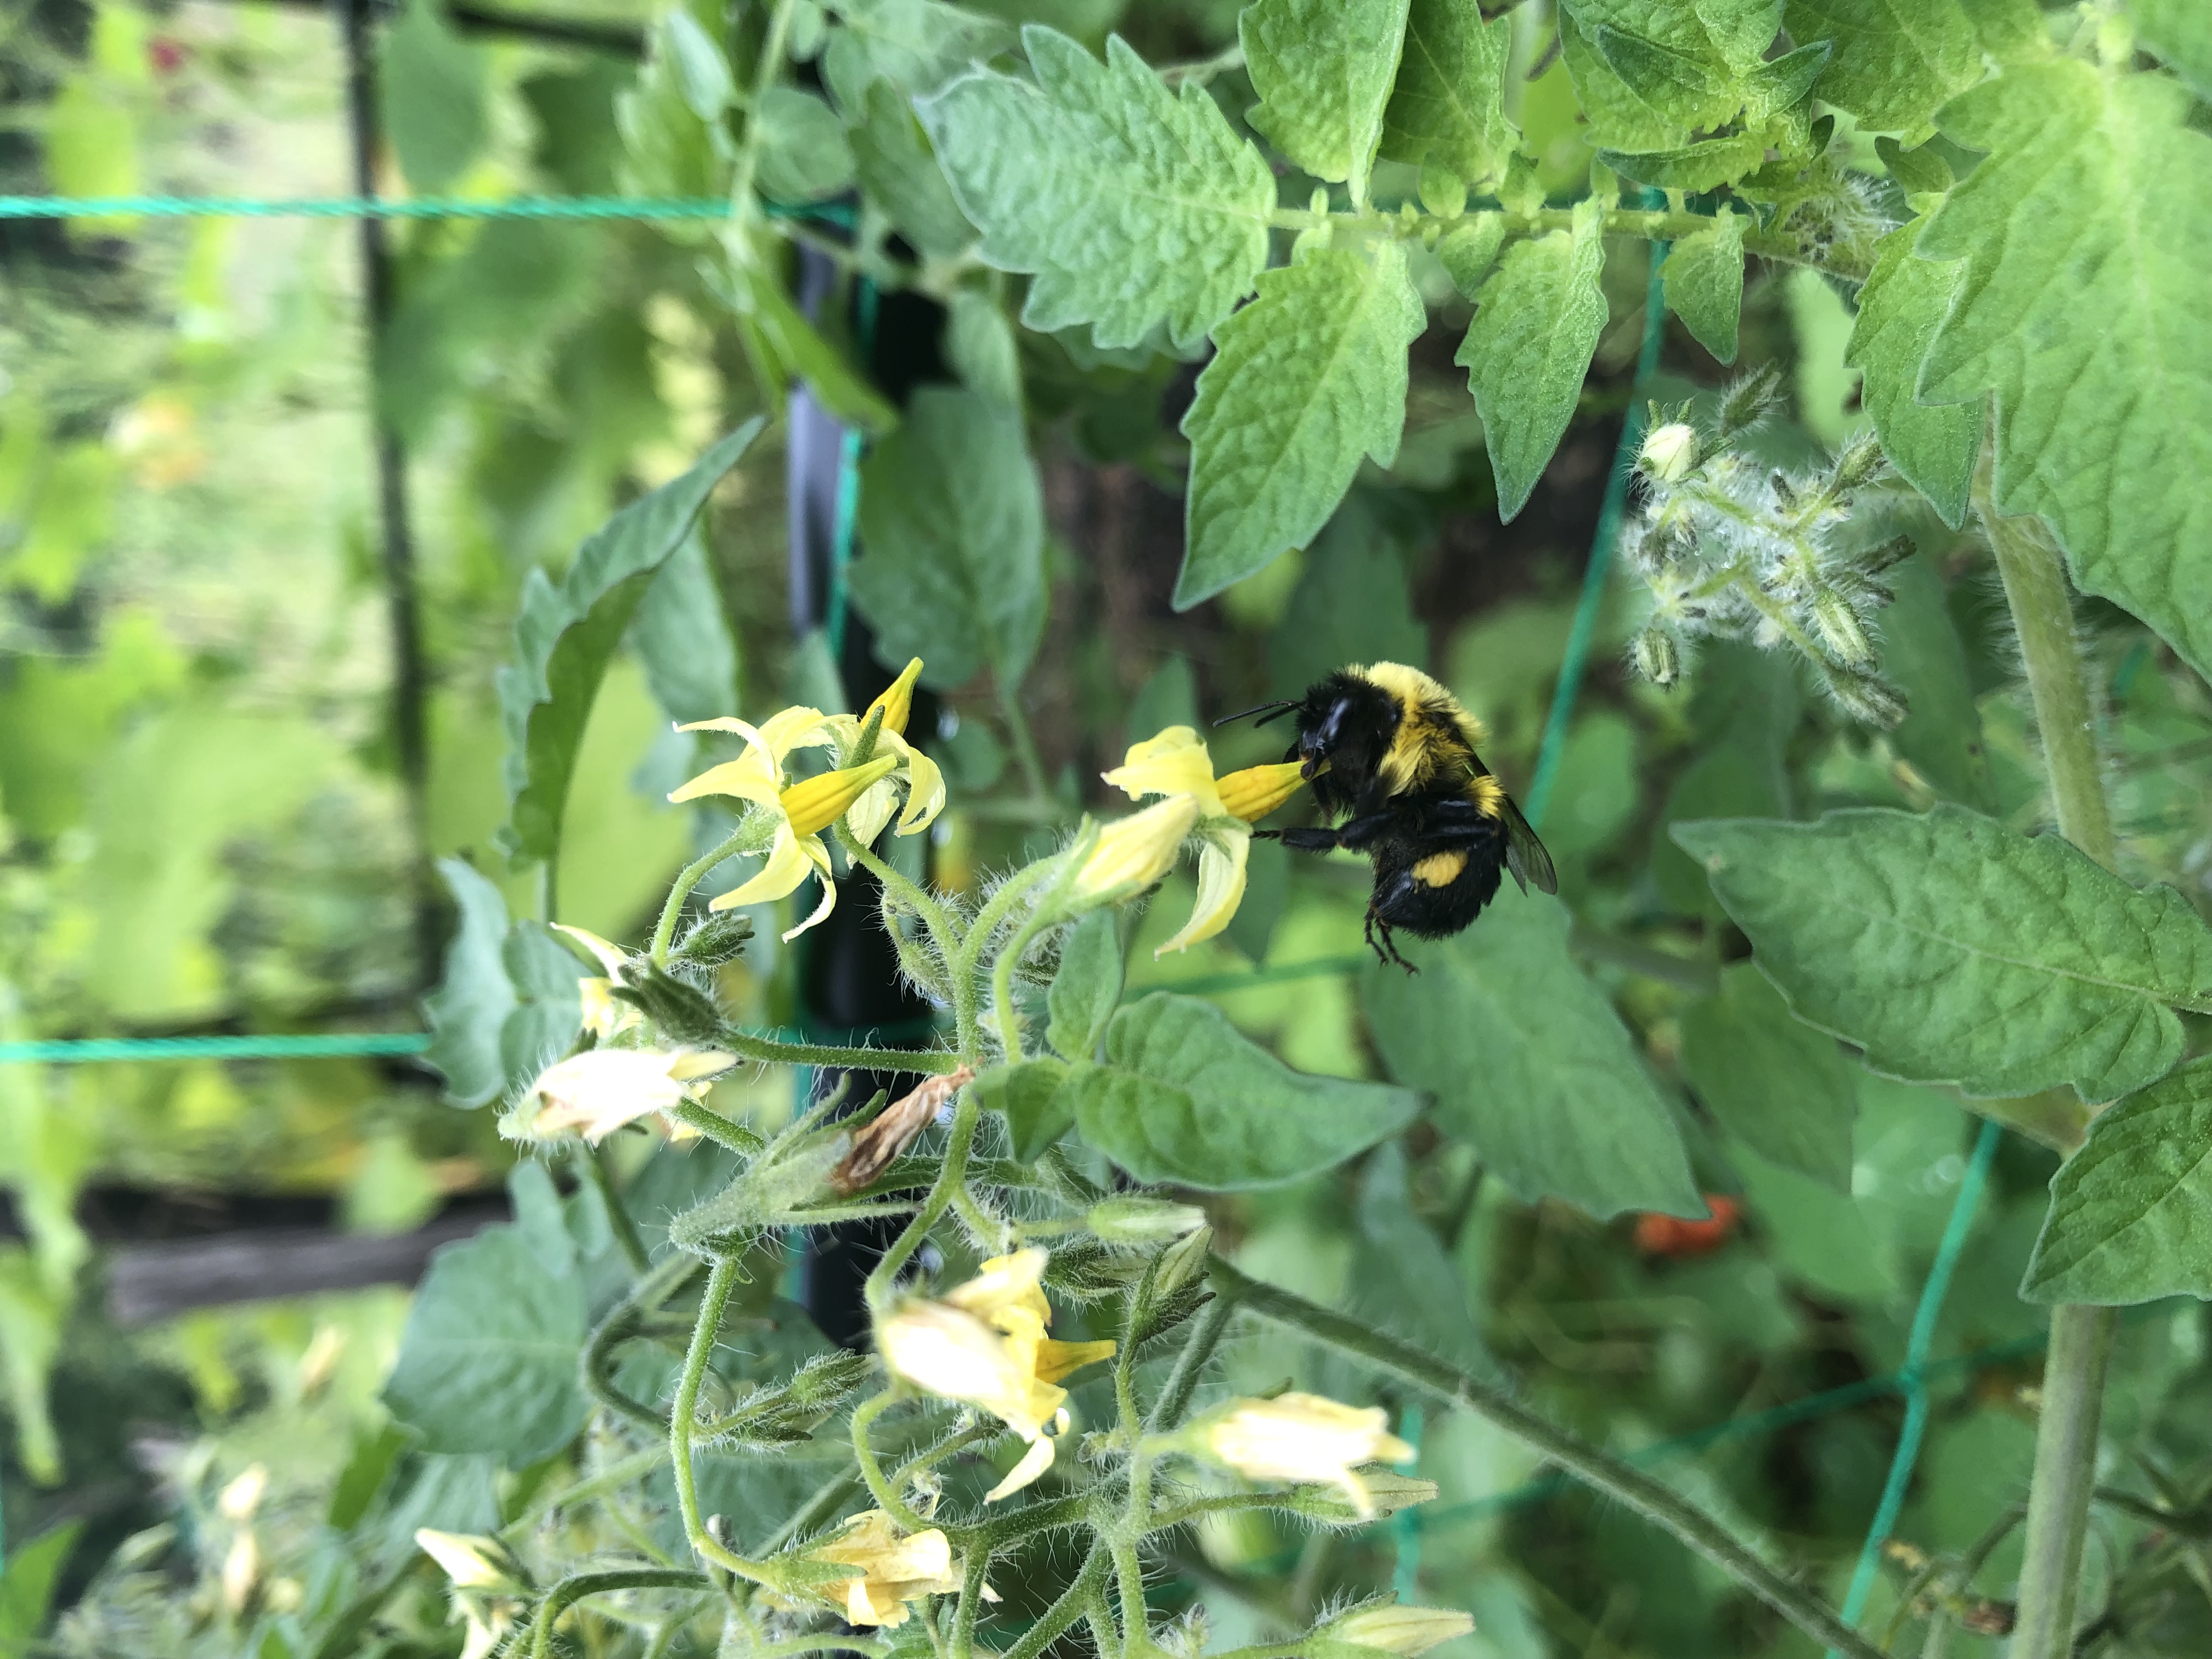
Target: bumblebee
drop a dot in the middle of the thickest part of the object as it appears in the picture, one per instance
(1394, 752)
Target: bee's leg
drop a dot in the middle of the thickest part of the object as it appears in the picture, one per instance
(1305, 840)
(1390, 945)
(1379, 955)
(1357, 833)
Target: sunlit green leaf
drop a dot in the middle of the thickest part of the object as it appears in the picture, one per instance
(566, 634)
(1535, 332)
(2131, 1213)
(952, 518)
(1530, 1064)
(1087, 988)
(899, 170)
(1305, 380)
(2104, 427)
(1323, 69)
(1132, 207)
(1901, 305)
(1183, 1096)
(1782, 1088)
(1703, 280)
(1954, 950)
(1896, 61)
(1446, 108)
(804, 157)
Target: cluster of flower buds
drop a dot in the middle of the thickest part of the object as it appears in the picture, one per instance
(1733, 549)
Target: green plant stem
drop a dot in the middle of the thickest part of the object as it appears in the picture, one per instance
(1205, 1330)
(774, 46)
(864, 1452)
(569, 1591)
(745, 839)
(944, 931)
(2080, 1349)
(614, 1478)
(958, 1144)
(1063, 1612)
(829, 1057)
(970, 1604)
(592, 1163)
(710, 1123)
(1600, 1470)
(1003, 1010)
(648, 1293)
(683, 1413)
(963, 962)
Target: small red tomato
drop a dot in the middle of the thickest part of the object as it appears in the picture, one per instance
(166, 56)
(1672, 1237)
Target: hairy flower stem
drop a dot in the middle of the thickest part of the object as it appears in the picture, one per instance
(864, 1452)
(592, 1164)
(2080, 1337)
(569, 1591)
(1600, 1470)
(683, 1412)
(957, 1145)
(744, 840)
(945, 932)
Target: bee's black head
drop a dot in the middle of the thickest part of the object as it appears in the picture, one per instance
(1346, 723)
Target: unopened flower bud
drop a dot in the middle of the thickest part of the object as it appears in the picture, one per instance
(1386, 1492)
(1392, 1628)
(1184, 1262)
(1840, 629)
(1657, 657)
(1302, 1436)
(242, 1572)
(1140, 1221)
(1131, 853)
(1669, 452)
(1860, 462)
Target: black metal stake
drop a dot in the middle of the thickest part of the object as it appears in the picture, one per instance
(411, 742)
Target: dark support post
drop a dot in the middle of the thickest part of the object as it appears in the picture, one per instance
(410, 745)
(849, 987)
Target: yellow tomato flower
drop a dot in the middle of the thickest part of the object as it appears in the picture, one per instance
(1175, 764)
(893, 1570)
(1131, 853)
(486, 1589)
(1395, 1629)
(604, 1016)
(1302, 1436)
(597, 1092)
(863, 795)
(984, 1343)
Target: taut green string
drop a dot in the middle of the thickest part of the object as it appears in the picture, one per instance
(378, 207)
(274, 1046)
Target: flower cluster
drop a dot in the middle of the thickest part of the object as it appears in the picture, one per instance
(1730, 548)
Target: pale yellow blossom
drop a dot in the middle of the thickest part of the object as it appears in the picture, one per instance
(600, 1091)
(1394, 1628)
(1302, 1436)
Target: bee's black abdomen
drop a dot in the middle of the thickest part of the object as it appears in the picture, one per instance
(1434, 894)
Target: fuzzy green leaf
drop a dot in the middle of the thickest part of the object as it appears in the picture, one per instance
(1694, 167)
(1901, 305)
(1323, 69)
(1030, 1097)
(1529, 1065)
(1307, 379)
(1703, 278)
(804, 157)
(1649, 72)
(1534, 334)
(28, 1587)
(488, 1359)
(1088, 986)
(474, 996)
(952, 518)
(2088, 330)
(2180, 32)
(681, 637)
(897, 168)
(913, 46)
(1469, 252)
(1131, 206)
(565, 634)
(1922, 655)
(1954, 949)
(1781, 1087)
(1185, 1096)
(1446, 109)
(2131, 1213)
(1896, 61)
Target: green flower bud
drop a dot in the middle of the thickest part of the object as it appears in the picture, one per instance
(1670, 452)
(1867, 699)
(1142, 1221)
(1657, 657)
(1840, 629)
(1392, 1628)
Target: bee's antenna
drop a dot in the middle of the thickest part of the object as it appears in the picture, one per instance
(1279, 708)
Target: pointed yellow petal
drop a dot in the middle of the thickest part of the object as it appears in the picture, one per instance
(749, 777)
(793, 728)
(1175, 762)
(719, 723)
(925, 793)
(1256, 791)
(896, 701)
(1220, 887)
(1034, 1462)
(1058, 1359)
(819, 856)
(788, 866)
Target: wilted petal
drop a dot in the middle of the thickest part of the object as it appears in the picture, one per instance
(1034, 1461)
(925, 793)
(788, 863)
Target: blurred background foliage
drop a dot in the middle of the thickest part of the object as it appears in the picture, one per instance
(203, 827)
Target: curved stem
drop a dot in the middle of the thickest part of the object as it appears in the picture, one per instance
(1008, 1017)
(2080, 1348)
(683, 1412)
(957, 1145)
(864, 1452)
(970, 1603)
(945, 931)
(1072, 1603)
(649, 1292)
(710, 1123)
(1598, 1469)
(1012, 891)
(742, 840)
(593, 1162)
(1025, 749)
(1206, 1327)
(613, 1478)
(927, 1062)
(569, 1591)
